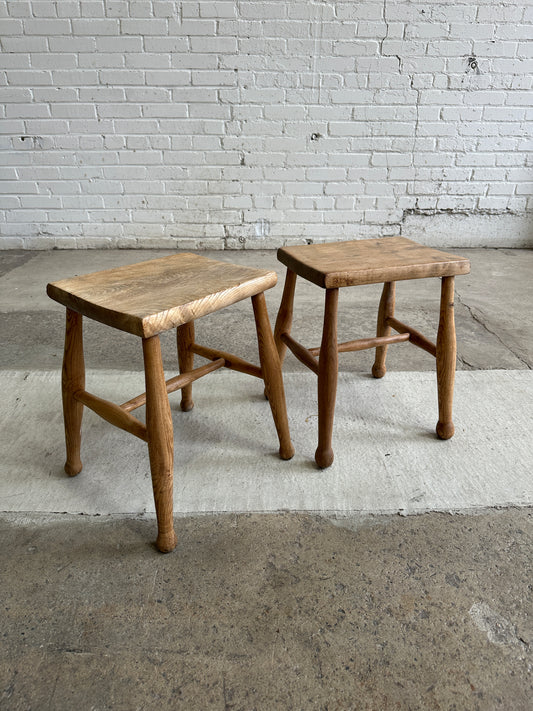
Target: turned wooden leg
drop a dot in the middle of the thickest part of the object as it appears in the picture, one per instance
(160, 442)
(446, 355)
(271, 371)
(185, 338)
(284, 318)
(327, 380)
(73, 379)
(386, 310)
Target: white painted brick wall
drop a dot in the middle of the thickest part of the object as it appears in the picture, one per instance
(250, 124)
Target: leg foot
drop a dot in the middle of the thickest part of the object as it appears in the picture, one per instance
(160, 442)
(327, 380)
(378, 372)
(185, 339)
(445, 430)
(324, 458)
(446, 355)
(271, 369)
(166, 542)
(386, 309)
(73, 380)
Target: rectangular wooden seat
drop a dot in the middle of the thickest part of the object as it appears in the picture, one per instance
(154, 296)
(369, 261)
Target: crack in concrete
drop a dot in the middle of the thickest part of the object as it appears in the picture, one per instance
(464, 362)
(478, 319)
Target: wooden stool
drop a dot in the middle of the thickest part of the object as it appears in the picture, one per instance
(146, 299)
(332, 266)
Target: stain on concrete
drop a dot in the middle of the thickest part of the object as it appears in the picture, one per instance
(498, 629)
(11, 259)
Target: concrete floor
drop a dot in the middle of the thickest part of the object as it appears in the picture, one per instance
(283, 611)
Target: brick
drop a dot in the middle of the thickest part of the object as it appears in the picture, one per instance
(263, 10)
(495, 49)
(54, 61)
(30, 77)
(47, 27)
(118, 44)
(221, 45)
(504, 113)
(202, 28)
(122, 77)
(78, 77)
(145, 60)
(10, 27)
(92, 8)
(173, 77)
(142, 27)
(356, 48)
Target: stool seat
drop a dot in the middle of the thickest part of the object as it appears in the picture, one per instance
(369, 261)
(386, 261)
(151, 297)
(146, 299)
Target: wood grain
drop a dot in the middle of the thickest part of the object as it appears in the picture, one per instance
(114, 414)
(383, 329)
(388, 259)
(154, 296)
(415, 337)
(362, 344)
(178, 382)
(231, 361)
(303, 354)
(446, 355)
(271, 371)
(160, 443)
(73, 380)
(185, 339)
(327, 380)
(284, 317)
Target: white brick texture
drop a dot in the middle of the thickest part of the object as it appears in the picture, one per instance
(253, 124)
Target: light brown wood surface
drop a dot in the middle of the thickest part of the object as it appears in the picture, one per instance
(369, 261)
(150, 297)
(185, 340)
(383, 329)
(446, 353)
(160, 443)
(328, 364)
(72, 381)
(284, 317)
(271, 373)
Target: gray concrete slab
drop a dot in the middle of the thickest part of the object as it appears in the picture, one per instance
(387, 456)
(285, 613)
(282, 611)
(493, 314)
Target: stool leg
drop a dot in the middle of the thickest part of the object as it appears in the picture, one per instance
(271, 370)
(327, 380)
(160, 442)
(73, 379)
(185, 338)
(446, 355)
(284, 318)
(386, 309)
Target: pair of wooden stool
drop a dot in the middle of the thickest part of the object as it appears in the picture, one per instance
(149, 298)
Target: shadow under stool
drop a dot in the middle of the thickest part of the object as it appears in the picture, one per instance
(146, 299)
(387, 260)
